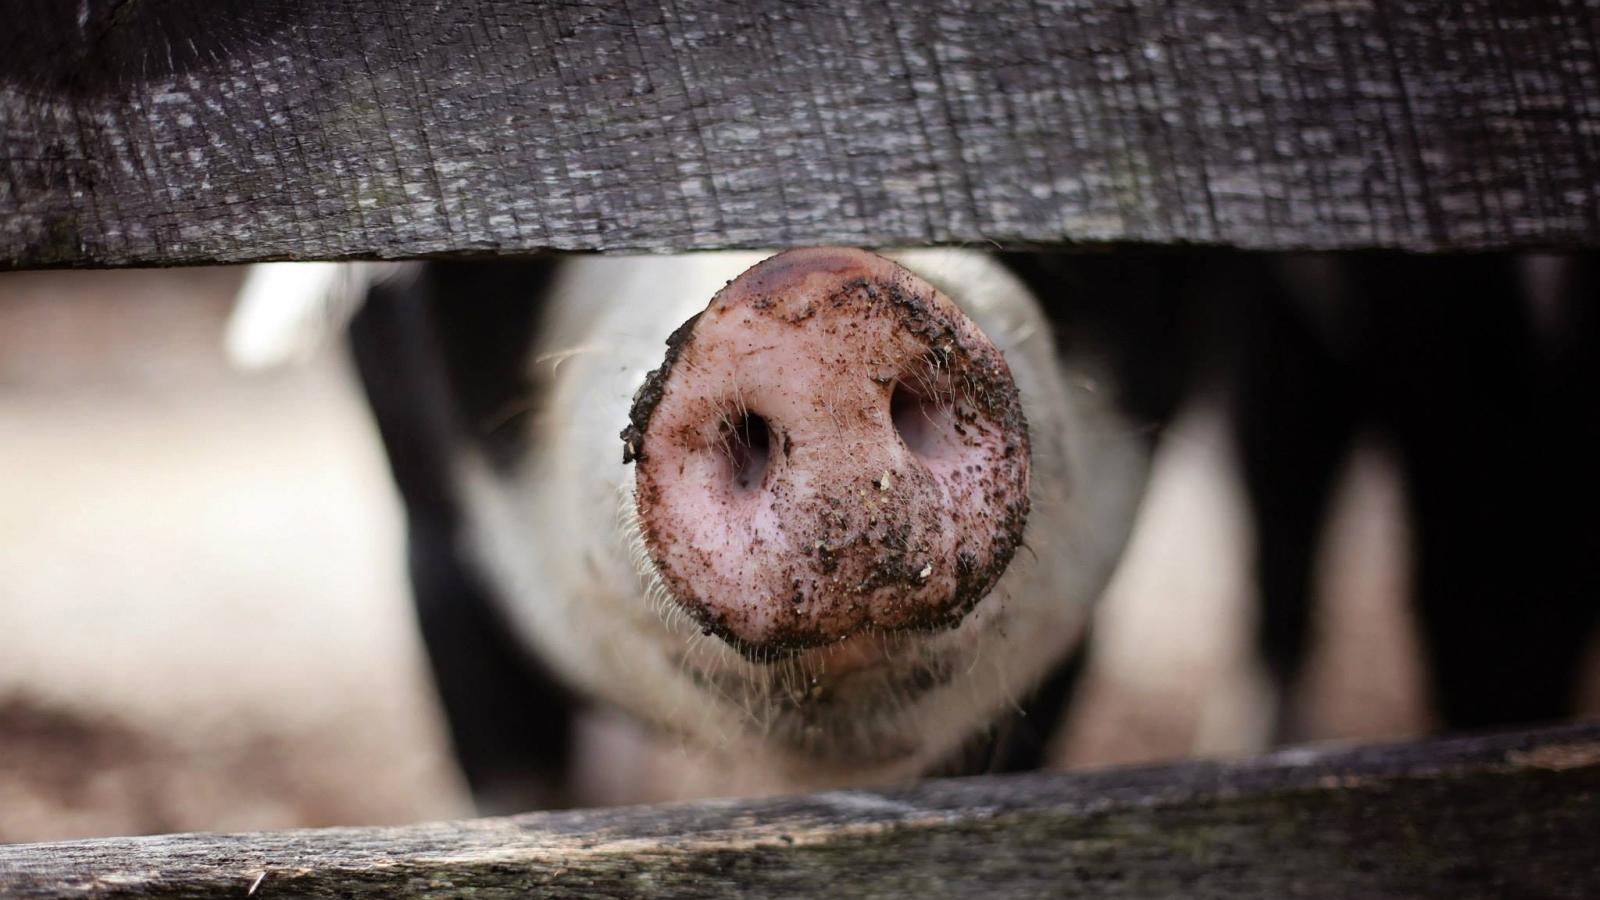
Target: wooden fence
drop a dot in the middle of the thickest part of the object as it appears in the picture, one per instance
(1514, 815)
(137, 132)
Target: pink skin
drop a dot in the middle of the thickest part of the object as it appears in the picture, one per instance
(831, 449)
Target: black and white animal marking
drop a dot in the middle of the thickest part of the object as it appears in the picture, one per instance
(1480, 370)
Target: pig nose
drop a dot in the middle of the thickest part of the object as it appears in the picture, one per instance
(832, 447)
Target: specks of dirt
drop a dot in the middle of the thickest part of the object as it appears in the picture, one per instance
(891, 539)
(649, 394)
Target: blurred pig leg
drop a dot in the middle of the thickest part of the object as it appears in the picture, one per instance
(1495, 428)
(1294, 419)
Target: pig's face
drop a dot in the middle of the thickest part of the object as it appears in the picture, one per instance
(812, 550)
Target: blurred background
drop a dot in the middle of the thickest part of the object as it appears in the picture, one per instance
(205, 624)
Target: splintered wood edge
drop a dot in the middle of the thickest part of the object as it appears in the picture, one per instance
(1462, 817)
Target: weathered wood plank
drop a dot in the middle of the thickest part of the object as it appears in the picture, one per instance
(1497, 816)
(143, 132)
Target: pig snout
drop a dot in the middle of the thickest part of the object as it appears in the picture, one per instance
(831, 448)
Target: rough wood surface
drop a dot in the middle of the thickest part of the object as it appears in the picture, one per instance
(181, 131)
(1514, 815)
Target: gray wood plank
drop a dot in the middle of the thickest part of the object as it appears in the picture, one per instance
(187, 131)
(1497, 816)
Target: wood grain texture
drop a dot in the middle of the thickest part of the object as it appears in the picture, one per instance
(1498, 816)
(138, 132)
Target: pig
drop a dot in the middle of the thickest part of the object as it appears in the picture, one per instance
(825, 516)
(1481, 375)
(497, 387)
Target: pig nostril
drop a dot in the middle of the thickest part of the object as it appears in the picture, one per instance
(918, 418)
(749, 450)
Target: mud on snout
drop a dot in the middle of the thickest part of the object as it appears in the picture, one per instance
(832, 449)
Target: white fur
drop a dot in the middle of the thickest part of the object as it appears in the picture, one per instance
(286, 312)
(558, 533)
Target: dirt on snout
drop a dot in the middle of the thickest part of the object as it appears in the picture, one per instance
(856, 523)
